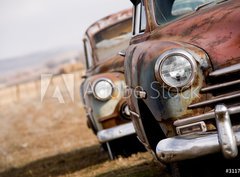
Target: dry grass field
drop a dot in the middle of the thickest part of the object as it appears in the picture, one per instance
(51, 139)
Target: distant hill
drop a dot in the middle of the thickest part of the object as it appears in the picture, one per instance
(30, 67)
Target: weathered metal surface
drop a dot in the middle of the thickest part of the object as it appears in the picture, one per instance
(206, 116)
(214, 100)
(142, 74)
(211, 35)
(214, 29)
(115, 132)
(108, 21)
(218, 86)
(108, 109)
(115, 118)
(100, 25)
(226, 137)
(115, 64)
(105, 114)
(189, 146)
(226, 70)
(196, 145)
(197, 127)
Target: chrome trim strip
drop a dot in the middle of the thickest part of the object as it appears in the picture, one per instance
(196, 145)
(220, 86)
(190, 146)
(213, 100)
(134, 114)
(190, 120)
(206, 116)
(116, 132)
(201, 124)
(141, 94)
(226, 70)
(226, 138)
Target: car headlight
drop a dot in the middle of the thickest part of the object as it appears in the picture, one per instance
(176, 68)
(103, 89)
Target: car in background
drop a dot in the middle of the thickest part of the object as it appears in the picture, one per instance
(182, 68)
(102, 91)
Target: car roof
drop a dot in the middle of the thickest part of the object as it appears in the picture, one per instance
(108, 21)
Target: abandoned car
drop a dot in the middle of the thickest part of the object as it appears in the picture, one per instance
(182, 68)
(102, 90)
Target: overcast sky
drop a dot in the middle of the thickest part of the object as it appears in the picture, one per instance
(29, 26)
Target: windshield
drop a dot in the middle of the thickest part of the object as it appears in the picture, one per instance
(168, 10)
(112, 40)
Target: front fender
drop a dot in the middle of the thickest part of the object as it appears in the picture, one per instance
(103, 109)
(165, 106)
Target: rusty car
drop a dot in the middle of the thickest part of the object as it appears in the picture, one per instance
(102, 90)
(182, 71)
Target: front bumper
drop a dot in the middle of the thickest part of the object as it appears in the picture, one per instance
(116, 132)
(195, 145)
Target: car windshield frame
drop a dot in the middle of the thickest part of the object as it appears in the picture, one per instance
(139, 25)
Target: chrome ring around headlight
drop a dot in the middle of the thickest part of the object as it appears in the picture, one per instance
(125, 111)
(182, 54)
(97, 95)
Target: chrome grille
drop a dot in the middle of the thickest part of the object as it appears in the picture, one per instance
(223, 85)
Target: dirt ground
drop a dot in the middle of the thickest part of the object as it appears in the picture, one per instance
(51, 139)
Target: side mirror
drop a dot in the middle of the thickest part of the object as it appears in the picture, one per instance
(122, 53)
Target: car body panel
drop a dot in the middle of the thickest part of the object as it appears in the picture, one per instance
(104, 109)
(210, 34)
(105, 114)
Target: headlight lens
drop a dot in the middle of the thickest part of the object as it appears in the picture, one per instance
(176, 71)
(176, 68)
(103, 89)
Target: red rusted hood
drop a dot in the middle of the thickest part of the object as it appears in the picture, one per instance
(115, 64)
(215, 29)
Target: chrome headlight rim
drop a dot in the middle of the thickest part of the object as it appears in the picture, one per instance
(176, 52)
(125, 113)
(95, 84)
